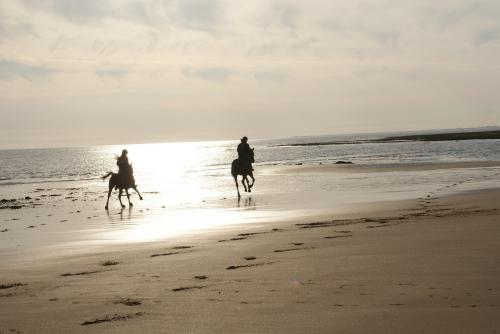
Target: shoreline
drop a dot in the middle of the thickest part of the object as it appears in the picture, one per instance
(432, 137)
(312, 194)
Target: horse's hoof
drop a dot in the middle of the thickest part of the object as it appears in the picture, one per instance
(123, 206)
(140, 198)
(131, 204)
(106, 207)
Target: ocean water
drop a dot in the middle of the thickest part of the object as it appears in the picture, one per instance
(188, 186)
(194, 159)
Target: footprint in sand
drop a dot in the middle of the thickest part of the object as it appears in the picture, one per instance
(250, 234)
(250, 258)
(109, 263)
(128, 301)
(201, 277)
(111, 318)
(81, 273)
(11, 285)
(165, 254)
(248, 265)
(184, 288)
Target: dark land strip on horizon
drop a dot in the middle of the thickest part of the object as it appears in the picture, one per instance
(422, 137)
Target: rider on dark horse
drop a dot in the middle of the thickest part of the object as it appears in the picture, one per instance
(245, 155)
(125, 170)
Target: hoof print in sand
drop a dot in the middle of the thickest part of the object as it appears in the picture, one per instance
(128, 301)
(184, 288)
(182, 247)
(111, 318)
(109, 263)
(11, 285)
(238, 238)
(338, 236)
(291, 249)
(250, 258)
(201, 277)
(250, 234)
(248, 265)
(81, 273)
(164, 254)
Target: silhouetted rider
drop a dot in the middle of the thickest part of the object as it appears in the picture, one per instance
(125, 169)
(245, 154)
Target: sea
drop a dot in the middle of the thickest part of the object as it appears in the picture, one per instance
(187, 186)
(205, 165)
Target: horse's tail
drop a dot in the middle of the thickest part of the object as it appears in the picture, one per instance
(107, 175)
(234, 167)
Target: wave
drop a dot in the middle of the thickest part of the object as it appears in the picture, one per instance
(29, 181)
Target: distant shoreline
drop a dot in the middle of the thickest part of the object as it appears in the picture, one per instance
(423, 137)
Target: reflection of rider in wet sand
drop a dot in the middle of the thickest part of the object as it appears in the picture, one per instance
(125, 170)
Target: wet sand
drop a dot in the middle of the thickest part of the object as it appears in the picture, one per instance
(424, 265)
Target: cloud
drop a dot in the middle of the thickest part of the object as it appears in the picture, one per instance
(271, 76)
(77, 11)
(12, 70)
(112, 73)
(216, 74)
(13, 27)
(199, 14)
(288, 15)
(486, 36)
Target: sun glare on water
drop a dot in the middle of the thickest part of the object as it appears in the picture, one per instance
(176, 180)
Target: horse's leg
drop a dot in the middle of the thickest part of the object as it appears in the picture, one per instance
(237, 187)
(253, 181)
(120, 197)
(243, 182)
(109, 193)
(128, 197)
(137, 191)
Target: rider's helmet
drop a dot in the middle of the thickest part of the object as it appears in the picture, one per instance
(244, 139)
(124, 152)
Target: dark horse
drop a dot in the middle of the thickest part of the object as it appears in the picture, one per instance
(117, 181)
(237, 168)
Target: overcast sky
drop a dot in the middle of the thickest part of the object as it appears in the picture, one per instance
(76, 72)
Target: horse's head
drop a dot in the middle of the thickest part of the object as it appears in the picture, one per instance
(252, 155)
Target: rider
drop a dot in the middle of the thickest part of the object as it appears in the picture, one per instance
(125, 169)
(245, 154)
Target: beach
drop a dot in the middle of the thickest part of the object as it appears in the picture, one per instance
(425, 263)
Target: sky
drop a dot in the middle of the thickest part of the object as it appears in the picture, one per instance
(90, 72)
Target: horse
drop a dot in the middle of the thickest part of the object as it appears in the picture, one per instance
(238, 169)
(117, 181)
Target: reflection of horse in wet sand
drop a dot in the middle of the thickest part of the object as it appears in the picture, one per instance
(239, 168)
(121, 183)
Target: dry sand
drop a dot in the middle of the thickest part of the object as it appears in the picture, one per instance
(423, 266)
